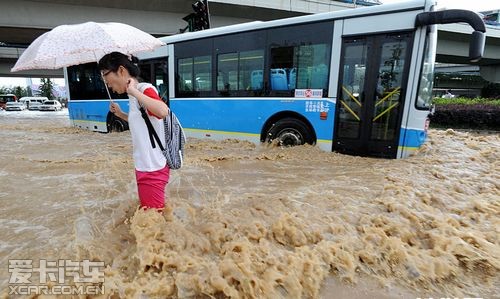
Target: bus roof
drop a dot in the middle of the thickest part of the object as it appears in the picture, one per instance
(347, 13)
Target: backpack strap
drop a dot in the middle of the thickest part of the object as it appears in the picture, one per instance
(151, 130)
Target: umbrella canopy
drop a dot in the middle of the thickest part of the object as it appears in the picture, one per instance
(68, 45)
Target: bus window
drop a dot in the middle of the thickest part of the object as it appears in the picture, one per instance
(251, 68)
(390, 82)
(299, 57)
(312, 69)
(227, 73)
(282, 62)
(161, 79)
(155, 71)
(195, 74)
(185, 67)
(299, 67)
(85, 83)
(203, 73)
(241, 71)
(145, 72)
(352, 89)
(240, 63)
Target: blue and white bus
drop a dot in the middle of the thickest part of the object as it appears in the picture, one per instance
(354, 81)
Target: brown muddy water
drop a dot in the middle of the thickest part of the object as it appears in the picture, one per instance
(252, 221)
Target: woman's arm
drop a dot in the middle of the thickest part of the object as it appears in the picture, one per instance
(158, 108)
(116, 110)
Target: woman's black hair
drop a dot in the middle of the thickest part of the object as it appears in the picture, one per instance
(113, 61)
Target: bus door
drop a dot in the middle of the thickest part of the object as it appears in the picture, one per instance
(370, 101)
(156, 72)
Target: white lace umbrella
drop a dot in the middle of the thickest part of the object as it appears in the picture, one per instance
(68, 45)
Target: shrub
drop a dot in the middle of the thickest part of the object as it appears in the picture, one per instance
(466, 101)
(470, 115)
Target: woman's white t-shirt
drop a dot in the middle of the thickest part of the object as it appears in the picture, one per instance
(146, 158)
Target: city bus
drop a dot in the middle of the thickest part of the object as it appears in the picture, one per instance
(355, 81)
(6, 98)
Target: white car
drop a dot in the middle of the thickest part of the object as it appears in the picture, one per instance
(33, 103)
(50, 105)
(15, 106)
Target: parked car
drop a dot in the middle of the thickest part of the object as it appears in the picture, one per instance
(15, 106)
(33, 103)
(51, 105)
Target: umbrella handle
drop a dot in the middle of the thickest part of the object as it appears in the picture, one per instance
(106, 85)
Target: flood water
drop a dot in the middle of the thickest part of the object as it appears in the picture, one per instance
(253, 221)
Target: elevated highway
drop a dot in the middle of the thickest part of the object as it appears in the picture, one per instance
(452, 47)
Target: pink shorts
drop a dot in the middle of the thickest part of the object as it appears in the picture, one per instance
(151, 187)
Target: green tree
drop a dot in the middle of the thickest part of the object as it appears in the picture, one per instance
(46, 88)
(20, 92)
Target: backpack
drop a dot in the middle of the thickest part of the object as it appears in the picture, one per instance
(174, 135)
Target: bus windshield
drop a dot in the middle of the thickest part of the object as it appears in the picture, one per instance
(426, 83)
(7, 98)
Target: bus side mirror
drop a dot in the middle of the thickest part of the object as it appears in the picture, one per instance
(476, 44)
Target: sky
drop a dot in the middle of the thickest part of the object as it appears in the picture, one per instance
(11, 82)
(475, 5)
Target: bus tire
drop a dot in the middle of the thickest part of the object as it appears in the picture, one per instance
(114, 124)
(118, 126)
(290, 132)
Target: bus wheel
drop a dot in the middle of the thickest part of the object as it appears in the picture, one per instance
(290, 132)
(114, 124)
(117, 126)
